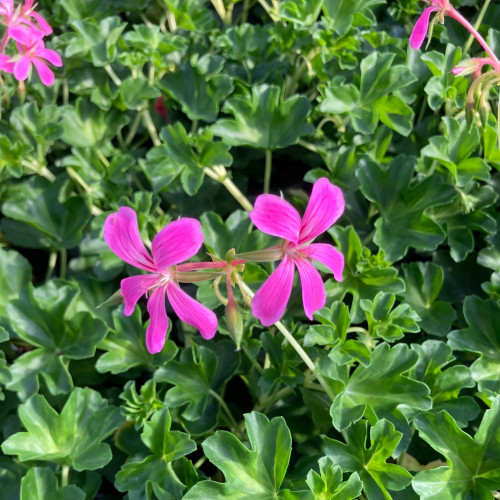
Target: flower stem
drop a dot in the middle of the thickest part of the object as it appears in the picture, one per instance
(268, 170)
(51, 265)
(298, 348)
(150, 126)
(114, 77)
(461, 19)
(219, 173)
(64, 475)
(63, 265)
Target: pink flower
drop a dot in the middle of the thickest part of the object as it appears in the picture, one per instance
(274, 216)
(175, 243)
(31, 51)
(161, 109)
(22, 14)
(421, 27)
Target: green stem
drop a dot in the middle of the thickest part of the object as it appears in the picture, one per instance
(150, 126)
(268, 170)
(133, 129)
(64, 475)
(101, 157)
(298, 348)
(114, 77)
(357, 329)
(63, 265)
(219, 173)
(235, 427)
(477, 24)
(51, 265)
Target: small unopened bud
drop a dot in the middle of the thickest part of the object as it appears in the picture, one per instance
(115, 299)
(234, 321)
(466, 67)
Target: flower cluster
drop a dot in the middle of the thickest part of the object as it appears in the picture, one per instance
(181, 240)
(26, 28)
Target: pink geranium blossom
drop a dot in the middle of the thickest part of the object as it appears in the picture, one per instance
(277, 217)
(175, 243)
(31, 51)
(22, 14)
(421, 27)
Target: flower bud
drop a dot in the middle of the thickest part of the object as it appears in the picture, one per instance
(234, 321)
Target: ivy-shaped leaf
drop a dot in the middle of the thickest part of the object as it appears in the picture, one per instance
(254, 472)
(370, 462)
(482, 337)
(156, 472)
(199, 85)
(328, 484)
(40, 483)
(380, 388)
(387, 323)
(264, 120)
(473, 469)
(41, 220)
(445, 382)
(364, 274)
(15, 275)
(43, 318)
(74, 437)
(423, 282)
(402, 204)
(454, 151)
(126, 348)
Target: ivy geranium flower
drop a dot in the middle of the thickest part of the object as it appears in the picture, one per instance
(31, 51)
(175, 243)
(421, 27)
(277, 217)
(22, 14)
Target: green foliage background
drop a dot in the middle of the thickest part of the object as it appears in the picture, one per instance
(409, 341)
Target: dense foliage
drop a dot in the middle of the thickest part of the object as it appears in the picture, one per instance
(192, 109)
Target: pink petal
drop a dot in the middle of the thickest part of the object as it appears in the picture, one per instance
(157, 329)
(177, 242)
(50, 55)
(134, 287)
(121, 233)
(419, 32)
(313, 290)
(8, 6)
(42, 23)
(269, 303)
(26, 36)
(275, 216)
(324, 208)
(191, 311)
(327, 255)
(44, 71)
(5, 64)
(22, 68)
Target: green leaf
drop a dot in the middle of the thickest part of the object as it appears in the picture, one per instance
(423, 282)
(364, 274)
(402, 204)
(340, 13)
(74, 437)
(199, 86)
(156, 471)
(382, 386)
(445, 382)
(301, 12)
(126, 347)
(454, 150)
(473, 469)
(264, 120)
(46, 222)
(135, 91)
(370, 463)
(328, 484)
(139, 407)
(99, 38)
(387, 323)
(43, 318)
(482, 337)
(464, 215)
(40, 483)
(255, 472)
(85, 125)
(15, 275)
